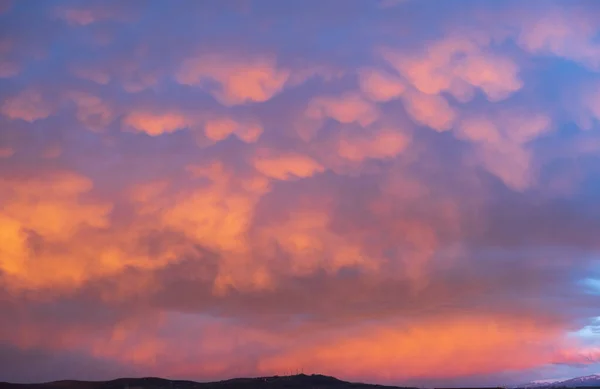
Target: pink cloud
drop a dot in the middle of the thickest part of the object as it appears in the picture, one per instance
(565, 33)
(382, 144)
(583, 356)
(29, 105)
(379, 85)
(496, 76)
(347, 108)
(239, 81)
(501, 142)
(453, 63)
(92, 111)
(430, 110)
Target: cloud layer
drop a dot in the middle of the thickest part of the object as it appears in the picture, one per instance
(381, 191)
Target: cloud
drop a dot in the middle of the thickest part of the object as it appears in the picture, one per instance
(219, 129)
(238, 81)
(425, 349)
(155, 124)
(567, 33)
(360, 199)
(29, 105)
(380, 86)
(347, 108)
(457, 64)
(93, 12)
(91, 110)
(39, 213)
(430, 110)
(502, 143)
(584, 356)
(386, 143)
(286, 166)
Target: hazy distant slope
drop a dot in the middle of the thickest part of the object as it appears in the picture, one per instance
(590, 381)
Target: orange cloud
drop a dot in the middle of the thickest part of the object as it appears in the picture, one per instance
(155, 124)
(327, 223)
(221, 128)
(286, 166)
(425, 349)
(305, 236)
(49, 210)
(239, 81)
(216, 216)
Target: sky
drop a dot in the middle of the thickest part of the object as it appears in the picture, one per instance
(399, 192)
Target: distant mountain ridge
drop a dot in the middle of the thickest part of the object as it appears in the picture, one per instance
(300, 381)
(589, 381)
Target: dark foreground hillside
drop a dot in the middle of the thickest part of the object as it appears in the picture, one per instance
(300, 381)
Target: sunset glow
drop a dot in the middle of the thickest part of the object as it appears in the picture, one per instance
(391, 191)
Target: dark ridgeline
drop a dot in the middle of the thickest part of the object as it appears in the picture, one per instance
(471, 387)
(300, 381)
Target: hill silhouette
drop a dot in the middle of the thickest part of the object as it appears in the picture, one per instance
(300, 381)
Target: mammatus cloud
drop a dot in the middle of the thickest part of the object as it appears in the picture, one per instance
(42, 214)
(220, 128)
(348, 108)
(155, 124)
(364, 199)
(28, 105)
(501, 144)
(238, 81)
(458, 65)
(383, 144)
(380, 85)
(563, 33)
